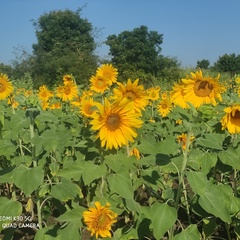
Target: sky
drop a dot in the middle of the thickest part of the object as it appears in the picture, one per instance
(192, 30)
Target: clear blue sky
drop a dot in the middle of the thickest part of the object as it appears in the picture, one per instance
(193, 30)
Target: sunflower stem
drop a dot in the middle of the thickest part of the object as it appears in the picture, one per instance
(235, 182)
(227, 230)
(152, 109)
(31, 127)
(182, 185)
(128, 150)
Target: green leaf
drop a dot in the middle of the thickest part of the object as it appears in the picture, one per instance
(72, 170)
(54, 167)
(230, 200)
(132, 205)
(173, 166)
(28, 179)
(19, 122)
(198, 182)
(191, 232)
(46, 233)
(73, 215)
(119, 162)
(6, 175)
(211, 199)
(92, 171)
(71, 231)
(121, 183)
(65, 190)
(52, 139)
(8, 210)
(7, 148)
(234, 205)
(22, 159)
(237, 230)
(230, 157)
(147, 146)
(212, 202)
(168, 146)
(208, 161)
(209, 226)
(46, 116)
(163, 218)
(213, 141)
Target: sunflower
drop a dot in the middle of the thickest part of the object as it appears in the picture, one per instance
(200, 90)
(231, 120)
(68, 79)
(44, 94)
(237, 79)
(183, 140)
(87, 93)
(133, 92)
(135, 152)
(116, 123)
(179, 121)
(238, 91)
(153, 93)
(164, 95)
(12, 102)
(77, 101)
(164, 107)
(99, 84)
(6, 87)
(56, 105)
(108, 72)
(99, 220)
(87, 107)
(28, 93)
(67, 92)
(44, 104)
(177, 96)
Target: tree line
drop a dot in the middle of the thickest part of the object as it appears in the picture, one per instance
(66, 45)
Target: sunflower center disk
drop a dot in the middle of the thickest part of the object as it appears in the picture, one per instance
(67, 91)
(164, 106)
(2, 88)
(100, 83)
(130, 95)
(236, 115)
(89, 109)
(113, 122)
(203, 88)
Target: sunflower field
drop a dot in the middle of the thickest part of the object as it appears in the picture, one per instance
(116, 160)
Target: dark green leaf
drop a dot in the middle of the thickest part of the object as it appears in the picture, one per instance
(163, 218)
(28, 179)
(65, 190)
(121, 183)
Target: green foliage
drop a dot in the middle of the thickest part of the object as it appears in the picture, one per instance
(6, 69)
(136, 54)
(22, 63)
(65, 45)
(228, 63)
(135, 50)
(52, 158)
(163, 218)
(203, 64)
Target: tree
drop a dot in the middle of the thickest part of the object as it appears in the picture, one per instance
(228, 63)
(6, 69)
(65, 45)
(23, 62)
(203, 64)
(135, 50)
